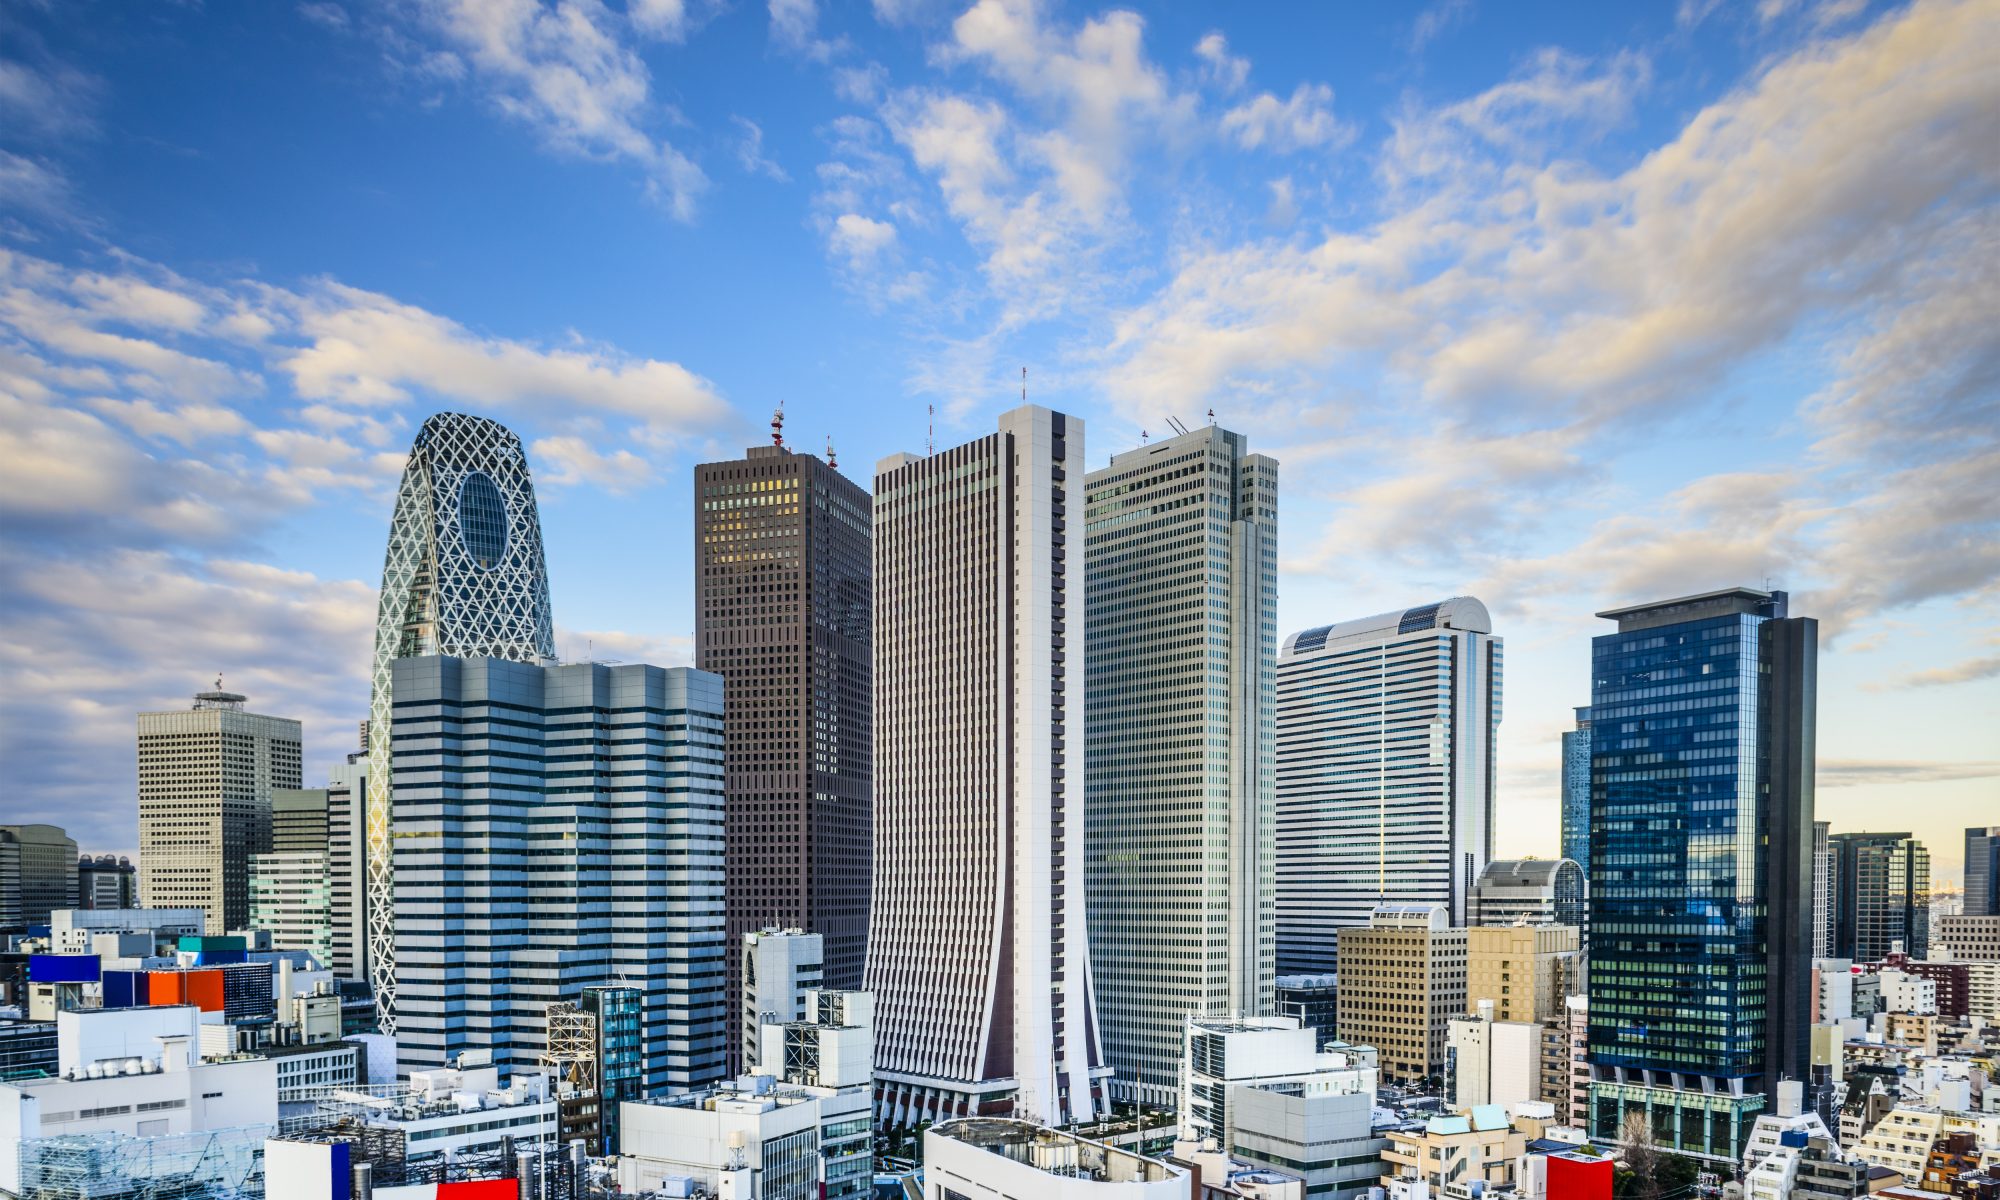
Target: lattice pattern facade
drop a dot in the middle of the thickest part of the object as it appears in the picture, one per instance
(464, 576)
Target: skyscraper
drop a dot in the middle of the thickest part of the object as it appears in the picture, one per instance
(37, 874)
(206, 775)
(781, 612)
(1576, 790)
(1181, 609)
(346, 859)
(978, 953)
(1823, 898)
(463, 576)
(1982, 871)
(1702, 721)
(557, 828)
(1881, 895)
(1385, 742)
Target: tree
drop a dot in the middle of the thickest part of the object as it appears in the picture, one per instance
(1641, 1178)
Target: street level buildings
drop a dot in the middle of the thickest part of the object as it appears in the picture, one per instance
(1385, 771)
(206, 775)
(38, 874)
(978, 952)
(782, 582)
(557, 828)
(1702, 718)
(1181, 604)
(463, 576)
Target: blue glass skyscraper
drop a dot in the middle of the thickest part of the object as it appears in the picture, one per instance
(1576, 790)
(1702, 714)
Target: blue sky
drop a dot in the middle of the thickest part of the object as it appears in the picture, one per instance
(1560, 305)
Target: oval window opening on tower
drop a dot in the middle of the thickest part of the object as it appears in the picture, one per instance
(482, 519)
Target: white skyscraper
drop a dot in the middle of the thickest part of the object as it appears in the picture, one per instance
(1385, 770)
(978, 953)
(1183, 630)
(205, 781)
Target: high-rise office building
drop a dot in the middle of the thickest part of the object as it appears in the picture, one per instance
(1530, 891)
(206, 775)
(1402, 980)
(1881, 895)
(1524, 971)
(782, 613)
(619, 1044)
(1385, 742)
(37, 874)
(106, 881)
(347, 865)
(557, 828)
(1823, 892)
(464, 576)
(1576, 790)
(291, 888)
(1702, 723)
(1982, 871)
(1181, 605)
(978, 952)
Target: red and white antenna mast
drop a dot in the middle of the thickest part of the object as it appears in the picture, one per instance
(778, 427)
(831, 461)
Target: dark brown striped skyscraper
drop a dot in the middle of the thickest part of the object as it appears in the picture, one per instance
(782, 614)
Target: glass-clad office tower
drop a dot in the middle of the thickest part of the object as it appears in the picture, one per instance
(1576, 790)
(1881, 895)
(464, 576)
(1181, 601)
(1701, 865)
(1385, 737)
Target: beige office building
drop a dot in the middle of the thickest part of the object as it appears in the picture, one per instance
(1525, 970)
(1402, 979)
(205, 780)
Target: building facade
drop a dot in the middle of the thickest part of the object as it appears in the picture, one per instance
(978, 953)
(1181, 605)
(206, 775)
(557, 828)
(1401, 982)
(1700, 976)
(1823, 897)
(782, 580)
(291, 898)
(106, 881)
(1385, 771)
(1525, 971)
(347, 865)
(1882, 895)
(777, 967)
(1982, 871)
(463, 576)
(1530, 891)
(1576, 790)
(38, 874)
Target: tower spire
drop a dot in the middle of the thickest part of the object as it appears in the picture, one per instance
(831, 461)
(778, 426)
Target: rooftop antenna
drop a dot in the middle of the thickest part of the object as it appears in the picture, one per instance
(1024, 385)
(1142, 437)
(930, 430)
(778, 426)
(1177, 426)
(1211, 416)
(831, 461)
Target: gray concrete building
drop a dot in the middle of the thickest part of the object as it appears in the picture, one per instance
(1181, 605)
(37, 874)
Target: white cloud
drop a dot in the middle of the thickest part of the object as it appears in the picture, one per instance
(860, 239)
(663, 19)
(563, 71)
(795, 29)
(750, 151)
(1436, 20)
(1302, 122)
(1220, 68)
(567, 461)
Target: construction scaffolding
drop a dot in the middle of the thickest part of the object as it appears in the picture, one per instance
(571, 1057)
(220, 1164)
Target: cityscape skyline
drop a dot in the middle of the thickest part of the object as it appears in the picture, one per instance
(221, 401)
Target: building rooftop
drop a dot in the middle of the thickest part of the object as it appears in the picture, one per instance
(1459, 612)
(1695, 607)
(1054, 1152)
